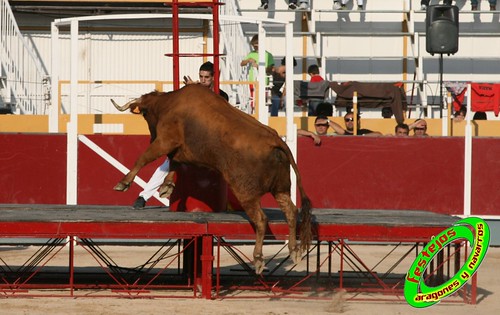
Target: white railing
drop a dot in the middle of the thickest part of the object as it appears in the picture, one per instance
(235, 46)
(26, 84)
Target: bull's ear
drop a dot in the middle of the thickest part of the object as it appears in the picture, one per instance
(136, 110)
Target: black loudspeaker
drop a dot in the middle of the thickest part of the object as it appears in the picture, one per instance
(441, 26)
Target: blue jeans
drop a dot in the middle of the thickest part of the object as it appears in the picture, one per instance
(313, 106)
(275, 105)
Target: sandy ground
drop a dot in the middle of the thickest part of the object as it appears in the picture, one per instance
(488, 297)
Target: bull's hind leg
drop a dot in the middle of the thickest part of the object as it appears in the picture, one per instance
(259, 220)
(290, 211)
(168, 185)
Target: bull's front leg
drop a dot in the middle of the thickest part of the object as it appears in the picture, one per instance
(124, 184)
(152, 153)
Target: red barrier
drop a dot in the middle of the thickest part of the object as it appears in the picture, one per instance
(198, 189)
(97, 177)
(32, 168)
(344, 172)
(384, 173)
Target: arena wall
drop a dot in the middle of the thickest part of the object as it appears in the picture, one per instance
(344, 172)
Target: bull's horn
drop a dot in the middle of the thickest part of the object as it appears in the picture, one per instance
(124, 107)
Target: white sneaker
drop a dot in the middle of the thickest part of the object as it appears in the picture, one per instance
(336, 5)
(303, 6)
(423, 7)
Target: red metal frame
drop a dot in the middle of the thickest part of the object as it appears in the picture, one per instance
(277, 282)
(136, 283)
(367, 279)
(214, 7)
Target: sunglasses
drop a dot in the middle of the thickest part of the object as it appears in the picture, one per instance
(348, 119)
(321, 125)
(419, 128)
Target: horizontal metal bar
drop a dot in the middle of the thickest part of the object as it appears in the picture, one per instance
(361, 11)
(358, 34)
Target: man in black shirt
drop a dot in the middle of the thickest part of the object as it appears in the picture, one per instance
(349, 127)
(206, 74)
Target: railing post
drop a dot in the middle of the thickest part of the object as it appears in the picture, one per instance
(72, 126)
(468, 155)
(207, 259)
(54, 95)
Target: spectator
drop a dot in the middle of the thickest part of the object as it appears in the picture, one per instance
(460, 114)
(324, 109)
(402, 130)
(206, 74)
(386, 112)
(349, 124)
(340, 5)
(480, 116)
(425, 3)
(278, 90)
(474, 5)
(292, 4)
(252, 60)
(419, 128)
(313, 102)
(321, 124)
(313, 71)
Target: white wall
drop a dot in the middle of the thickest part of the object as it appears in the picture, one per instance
(124, 55)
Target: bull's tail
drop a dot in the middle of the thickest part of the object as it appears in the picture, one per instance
(305, 223)
(306, 233)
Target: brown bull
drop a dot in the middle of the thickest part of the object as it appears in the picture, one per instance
(194, 125)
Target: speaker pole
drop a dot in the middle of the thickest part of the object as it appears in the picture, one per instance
(441, 103)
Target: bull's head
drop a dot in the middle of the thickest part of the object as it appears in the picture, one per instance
(140, 106)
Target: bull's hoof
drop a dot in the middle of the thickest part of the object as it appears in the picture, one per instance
(166, 191)
(296, 255)
(259, 264)
(121, 187)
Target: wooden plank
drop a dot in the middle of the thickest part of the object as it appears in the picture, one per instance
(95, 213)
(59, 221)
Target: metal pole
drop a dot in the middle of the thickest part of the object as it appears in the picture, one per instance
(441, 85)
(175, 44)
(54, 97)
(71, 241)
(72, 126)
(291, 128)
(215, 26)
(468, 155)
(262, 109)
